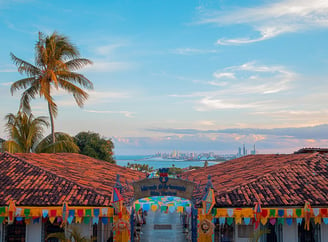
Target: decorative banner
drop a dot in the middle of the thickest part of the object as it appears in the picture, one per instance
(150, 187)
(116, 200)
(209, 201)
(307, 215)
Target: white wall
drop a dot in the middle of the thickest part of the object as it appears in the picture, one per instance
(290, 232)
(324, 232)
(33, 232)
(1, 232)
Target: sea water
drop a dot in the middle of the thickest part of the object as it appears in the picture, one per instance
(157, 162)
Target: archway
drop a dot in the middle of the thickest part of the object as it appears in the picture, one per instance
(163, 186)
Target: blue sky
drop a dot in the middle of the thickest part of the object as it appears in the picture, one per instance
(186, 75)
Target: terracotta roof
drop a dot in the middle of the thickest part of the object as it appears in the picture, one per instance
(274, 180)
(30, 185)
(84, 170)
(44, 179)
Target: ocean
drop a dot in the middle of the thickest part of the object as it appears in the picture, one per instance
(157, 162)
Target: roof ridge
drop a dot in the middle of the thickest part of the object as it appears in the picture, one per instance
(284, 167)
(51, 173)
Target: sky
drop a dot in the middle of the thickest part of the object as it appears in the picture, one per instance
(192, 76)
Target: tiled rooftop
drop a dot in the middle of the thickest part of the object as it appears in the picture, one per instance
(51, 179)
(84, 170)
(274, 180)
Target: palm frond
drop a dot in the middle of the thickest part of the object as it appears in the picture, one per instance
(76, 78)
(26, 97)
(79, 95)
(77, 63)
(64, 143)
(25, 67)
(12, 147)
(21, 84)
(59, 235)
(257, 234)
(24, 131)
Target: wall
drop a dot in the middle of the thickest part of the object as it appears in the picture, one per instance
(324, 232)
(33, 232)
(290, 232)
(1, 232)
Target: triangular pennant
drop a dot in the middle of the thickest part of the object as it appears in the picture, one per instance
(229, 221)
(96, 212)
(247, 221)
(70, 219)
(45, 213)
(289, 221)
(95, 220)
(272, 221)
(298, 212)
(230, 212)
(104, 220)
(222, 220)
(86, 220)
(325, 220)
(299, 220)
(316, 211)
(52, 219)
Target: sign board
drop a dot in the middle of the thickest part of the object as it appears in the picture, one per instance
(167, 186)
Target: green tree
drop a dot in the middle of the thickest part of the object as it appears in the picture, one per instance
(91, 144)
(56, 60)
(26, 135)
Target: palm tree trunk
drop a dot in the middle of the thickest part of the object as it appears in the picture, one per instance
(52, 123)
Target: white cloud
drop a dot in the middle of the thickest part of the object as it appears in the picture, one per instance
(252, 78)
(229, 75)
(106, 50)
(125, 113)
(107, 66)
(6, 84)
(248, 86)
(273, 19)
(192, 51)
(95, 97)
(8, 70)
(206, 104)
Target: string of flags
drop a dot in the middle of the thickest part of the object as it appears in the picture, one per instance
(263, 216)
(64, 214)
(163, 204)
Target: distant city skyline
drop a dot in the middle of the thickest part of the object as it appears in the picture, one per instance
(189, 75)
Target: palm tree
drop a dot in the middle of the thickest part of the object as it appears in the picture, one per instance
(25, 136)
(56, 60)
(72, 235)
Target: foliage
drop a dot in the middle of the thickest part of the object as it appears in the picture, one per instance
(175, 170)
(256, 236)
(71, 235)
(140, 167)
(91, 144)
(56, 60)
(25, 136)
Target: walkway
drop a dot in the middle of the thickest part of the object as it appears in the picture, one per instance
(162, 227)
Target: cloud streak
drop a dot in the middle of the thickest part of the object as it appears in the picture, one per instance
(193, 51)
(250, 85)
(272, 20)
(125, 113)
(311, 132)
